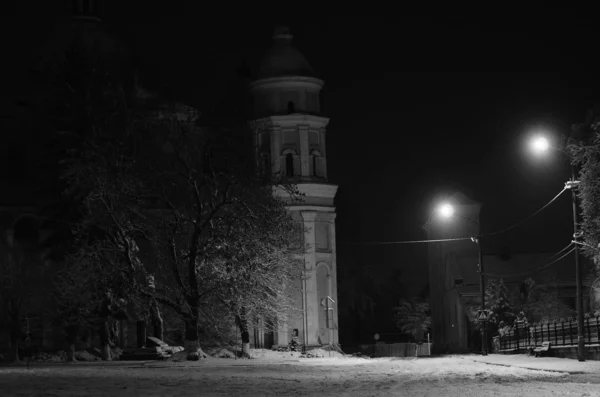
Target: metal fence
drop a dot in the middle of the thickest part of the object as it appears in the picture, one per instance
(561, 332)
(394, 349)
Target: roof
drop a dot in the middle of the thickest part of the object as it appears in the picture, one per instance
(283, 59)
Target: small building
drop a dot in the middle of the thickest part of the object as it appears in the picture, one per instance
(454, 278)
(450, 323)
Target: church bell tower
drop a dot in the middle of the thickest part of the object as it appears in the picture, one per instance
(289, 135)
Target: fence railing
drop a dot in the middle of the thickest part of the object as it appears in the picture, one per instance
(561, 332)
(393, 349)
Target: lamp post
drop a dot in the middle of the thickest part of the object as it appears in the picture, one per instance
(477, 240)
(447, 211)
(540, 144)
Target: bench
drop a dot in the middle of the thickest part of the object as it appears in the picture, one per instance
(539, 351)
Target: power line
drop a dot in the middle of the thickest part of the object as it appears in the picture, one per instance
(407, 241)
(561, 251)
(526, 219)
(534, 270)
(459, 238)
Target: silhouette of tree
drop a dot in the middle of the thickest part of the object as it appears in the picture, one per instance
(584, 146)
(180, 203)
(541, 302)
(357, 290)
(498, 301)
(413, 317)
(17, 287)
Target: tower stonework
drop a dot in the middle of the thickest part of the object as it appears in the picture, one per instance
(289, 135)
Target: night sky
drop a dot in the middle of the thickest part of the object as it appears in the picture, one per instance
(420, 103)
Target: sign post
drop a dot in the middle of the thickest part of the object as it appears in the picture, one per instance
(483, 315)
(376, 337)
(328, 319)
(428, 345)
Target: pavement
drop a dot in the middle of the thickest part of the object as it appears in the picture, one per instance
(566, 365)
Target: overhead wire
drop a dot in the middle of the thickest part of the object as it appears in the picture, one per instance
(562, 250)
(547, 265)
(527, 218)
(458, 238)
(405, 241)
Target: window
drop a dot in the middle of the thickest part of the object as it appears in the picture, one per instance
(289, 164)
(315, 162)
(291, 107)
(322, 236)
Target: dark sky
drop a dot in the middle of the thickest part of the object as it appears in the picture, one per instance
(419, 102)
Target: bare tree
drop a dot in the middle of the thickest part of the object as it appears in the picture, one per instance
(586, 155)
(14, 291)
(541, 302)
(181, 205)
(21, 277)
(259, 269)
(92, 288)
(238, 238)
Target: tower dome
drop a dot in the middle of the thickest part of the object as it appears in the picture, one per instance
(283, 59)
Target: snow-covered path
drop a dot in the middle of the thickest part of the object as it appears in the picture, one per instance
(447, 376)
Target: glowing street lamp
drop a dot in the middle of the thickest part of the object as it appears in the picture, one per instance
(446, 210)
(539, 145)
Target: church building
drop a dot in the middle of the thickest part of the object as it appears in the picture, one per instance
(290, 135)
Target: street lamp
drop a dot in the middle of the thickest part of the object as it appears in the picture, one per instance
(540, 145)
(446, 211)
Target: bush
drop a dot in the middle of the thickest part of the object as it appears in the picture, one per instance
(293, 344)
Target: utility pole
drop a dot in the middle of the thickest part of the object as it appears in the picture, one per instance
(572, 184)
(482, 290)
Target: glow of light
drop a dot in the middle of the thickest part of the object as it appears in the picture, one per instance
(446, 210)
(539, 144)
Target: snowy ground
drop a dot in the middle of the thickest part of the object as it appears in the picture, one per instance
(285, 374)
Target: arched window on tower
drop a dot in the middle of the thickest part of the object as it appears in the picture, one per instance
(289, 164)
(291, 107)
(315, 162)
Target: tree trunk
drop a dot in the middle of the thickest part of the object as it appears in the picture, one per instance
(595, 296)
(191, 344)
(158, 322)
(15, 330)
(245, 344)
(72, 332)
(105, 339)
(243, 325)
(357, 333)
(15, 345)
(71, 353)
